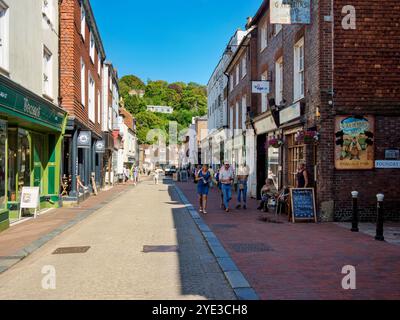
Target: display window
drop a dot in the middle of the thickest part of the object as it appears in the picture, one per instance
(295, 157)
(3, 146)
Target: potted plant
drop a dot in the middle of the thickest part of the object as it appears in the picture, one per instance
(309, 136)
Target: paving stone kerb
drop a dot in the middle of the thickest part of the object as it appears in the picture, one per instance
(302, 260)
(236, 279)
(60, 219)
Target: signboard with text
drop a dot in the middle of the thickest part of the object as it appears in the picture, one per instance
(303, 204)
(290, 11)
(290, 113)
(29, 199)
(260, 87)
(387, 164)
(85, 139)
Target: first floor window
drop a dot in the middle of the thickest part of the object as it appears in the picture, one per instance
(91, 101)
(3, 36)
(237, 116)
(98, 106)
(264, 96)
(279, 81)
(244, 112)
(47, 72)
(299, 70)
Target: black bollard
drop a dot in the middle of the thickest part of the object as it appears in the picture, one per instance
(379, 221)
(354, 221)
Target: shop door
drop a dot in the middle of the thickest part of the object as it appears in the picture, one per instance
(261, 163)
(39, 161)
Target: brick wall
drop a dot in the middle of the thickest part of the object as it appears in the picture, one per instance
(72, 48)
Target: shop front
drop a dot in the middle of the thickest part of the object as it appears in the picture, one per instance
(31, 134)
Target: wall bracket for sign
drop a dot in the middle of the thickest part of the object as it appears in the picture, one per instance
(303, 204)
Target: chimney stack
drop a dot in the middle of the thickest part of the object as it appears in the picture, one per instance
(249, 20)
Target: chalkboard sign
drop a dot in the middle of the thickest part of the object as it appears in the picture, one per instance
(303, 204)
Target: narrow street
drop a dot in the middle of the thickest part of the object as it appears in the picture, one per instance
(115, 266)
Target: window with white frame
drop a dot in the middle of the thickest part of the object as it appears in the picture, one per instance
(47, 72)
(98, 106)
(47, 9)
(4, 34)
(244, 65)
(237, 115)
(264, 36)
(91, 101)
(92, 46)
(98, 63)
(244, 111)
(83, 83)
(231, 118)
(83, 21)
(279, 81)
(264, 96)
(299, 70)
(231, 82)
(237, 74)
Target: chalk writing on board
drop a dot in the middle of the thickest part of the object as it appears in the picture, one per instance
(303, 203)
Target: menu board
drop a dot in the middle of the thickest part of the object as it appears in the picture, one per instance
(303, 204)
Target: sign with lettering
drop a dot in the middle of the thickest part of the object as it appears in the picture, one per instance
(29, 199)
(85, 139)
(100, 146)
(387, 164)
(290, 11)
(260, 87)
(265, 125)
(354, 148)
(24, 104)
(290, 113)
(392, 154)
(303, 204)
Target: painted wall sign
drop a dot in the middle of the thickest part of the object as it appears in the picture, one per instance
(85, 139)
(26, 105)
(290, 11)
(290, 113)
(354, 148)
(260, 87)
(387, 164)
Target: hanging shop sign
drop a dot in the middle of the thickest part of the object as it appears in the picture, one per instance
(290, 113)
(387, 164)
(85, 139)
(354, 148)
(303, 204)
(265, 125)
(392, 154)
(260, 87)
(21, 103)
(100, 146)
(290, 11)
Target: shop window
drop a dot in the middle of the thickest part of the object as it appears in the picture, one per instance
(273, 165)
(3, 141)
(4, 34)
(24, 161)
(294, 158)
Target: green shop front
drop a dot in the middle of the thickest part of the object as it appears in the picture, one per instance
(31, 132)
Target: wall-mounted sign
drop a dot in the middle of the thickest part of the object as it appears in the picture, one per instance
(387, 164)
(290, 113)
(85, 139)
(392, 154)
(100, 146)
(265, 125)
(290, 11)
(260, 87)
(354, 148)
(29, 199)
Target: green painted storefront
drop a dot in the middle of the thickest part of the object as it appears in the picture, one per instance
(31, 133)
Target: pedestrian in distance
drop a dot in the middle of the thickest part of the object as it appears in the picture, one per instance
(302, 176)
(203, 178)
(217, 182)
(242, 177)
(156, 176)
(226, 177)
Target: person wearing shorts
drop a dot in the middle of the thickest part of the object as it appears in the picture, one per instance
(203, 178)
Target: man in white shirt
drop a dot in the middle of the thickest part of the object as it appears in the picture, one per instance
(226, 176)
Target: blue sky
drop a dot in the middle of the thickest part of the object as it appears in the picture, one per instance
(175, 40)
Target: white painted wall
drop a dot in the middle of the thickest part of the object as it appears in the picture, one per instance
(29, 31)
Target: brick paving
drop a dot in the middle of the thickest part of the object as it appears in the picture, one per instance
(302, 260)
(23, 234)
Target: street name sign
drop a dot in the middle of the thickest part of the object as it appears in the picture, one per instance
(387, 164)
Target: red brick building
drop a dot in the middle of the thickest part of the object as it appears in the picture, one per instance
(335, 96)
(81, 62)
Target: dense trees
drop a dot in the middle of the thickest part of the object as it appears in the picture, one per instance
(188, 100)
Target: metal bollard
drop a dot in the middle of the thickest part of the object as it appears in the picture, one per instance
(354, 221)
(379, 221)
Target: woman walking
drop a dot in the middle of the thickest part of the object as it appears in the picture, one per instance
(203, 178)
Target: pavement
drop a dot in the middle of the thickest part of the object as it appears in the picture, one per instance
(285, 261)
(141, 243)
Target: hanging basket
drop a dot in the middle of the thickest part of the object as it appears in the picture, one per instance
(307, 137)
(274, 143)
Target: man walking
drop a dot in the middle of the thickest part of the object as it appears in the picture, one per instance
(243, 175)
(226, 176)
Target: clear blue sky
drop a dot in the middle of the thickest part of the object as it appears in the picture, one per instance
(175, 40)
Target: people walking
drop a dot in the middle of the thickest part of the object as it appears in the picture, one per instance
(135, 176)
(242, 177)
(302, 176)
(226, 176)
(156, 175)
(203, 178)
